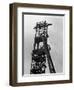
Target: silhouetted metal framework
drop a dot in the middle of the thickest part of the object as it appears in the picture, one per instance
(41, 53)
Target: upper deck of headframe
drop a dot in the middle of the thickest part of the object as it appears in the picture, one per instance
(42, 24)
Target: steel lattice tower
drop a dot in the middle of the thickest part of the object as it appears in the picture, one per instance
(40, 54)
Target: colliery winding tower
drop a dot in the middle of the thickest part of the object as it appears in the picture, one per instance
(41, 53)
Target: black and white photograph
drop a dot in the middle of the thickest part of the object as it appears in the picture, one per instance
(43, 46)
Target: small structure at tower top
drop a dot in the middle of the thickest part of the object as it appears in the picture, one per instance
(42, 24)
